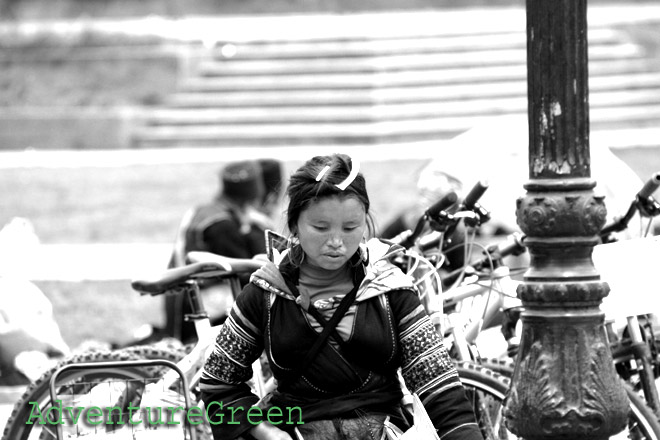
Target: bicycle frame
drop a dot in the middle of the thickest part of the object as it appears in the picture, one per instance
(184, 281)
(631, 352)
(464, 328)
(468, 322)
(192, 364)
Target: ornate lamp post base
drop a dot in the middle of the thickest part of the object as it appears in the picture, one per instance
(564, 385)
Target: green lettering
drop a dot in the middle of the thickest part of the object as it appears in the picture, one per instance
(255, 409)
(75, 415)
(114, 421)
(199, 414)
(217, 416)
(300, 420)
(172, 411)
(233, 413)
(49, 412)
(94, 411)
(130, 414)
(34, 406)
(160, 416)
(274, 411)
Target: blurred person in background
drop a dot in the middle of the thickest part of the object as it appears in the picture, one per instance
(30, 338)
(223, 226)
(432, 185)
(273, 175)
(231, 225)
(268, 213)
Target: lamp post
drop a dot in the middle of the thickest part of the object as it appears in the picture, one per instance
(564, 382)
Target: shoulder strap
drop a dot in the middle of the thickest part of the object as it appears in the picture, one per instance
(346, 350)
(324, 323)
(328, 328)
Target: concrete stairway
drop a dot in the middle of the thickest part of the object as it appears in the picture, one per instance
(389, 87)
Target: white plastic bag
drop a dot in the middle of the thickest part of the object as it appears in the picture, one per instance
(422, 428)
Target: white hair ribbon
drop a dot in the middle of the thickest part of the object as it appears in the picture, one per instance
(322, 173)
(351, 177)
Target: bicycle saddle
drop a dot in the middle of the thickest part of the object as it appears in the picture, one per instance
(233, 265)
(176, 277)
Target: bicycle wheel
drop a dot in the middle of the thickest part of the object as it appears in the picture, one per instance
(486, 389)
(642, 422)
(113, 383)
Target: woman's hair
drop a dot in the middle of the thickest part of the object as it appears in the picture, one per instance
(333, 170)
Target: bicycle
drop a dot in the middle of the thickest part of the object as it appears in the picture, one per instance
(489, 279)
(635, 344)
(494, 287)
(117, 363)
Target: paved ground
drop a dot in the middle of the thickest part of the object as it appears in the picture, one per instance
(8, 395)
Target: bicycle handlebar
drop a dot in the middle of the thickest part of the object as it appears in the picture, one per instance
(440, 220)
(475, 194)
(434, 211)
(650, 187)
(512, 245)
(644, 203)
(442, 204)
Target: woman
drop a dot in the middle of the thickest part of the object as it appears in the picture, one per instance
(337, 321)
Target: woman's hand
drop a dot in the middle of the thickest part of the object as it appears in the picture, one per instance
(266, 431)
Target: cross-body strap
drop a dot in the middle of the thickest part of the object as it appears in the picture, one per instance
(324, 323)
(328, 328)
(347, 352)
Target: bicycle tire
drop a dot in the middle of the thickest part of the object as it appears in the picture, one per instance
(494, 373)
(17, 426)
(486, 390)
(501, 366)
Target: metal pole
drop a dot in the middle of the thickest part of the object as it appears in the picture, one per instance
(564, 382)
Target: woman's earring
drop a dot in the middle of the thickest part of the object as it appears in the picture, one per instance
(302, 256)
(362, 255)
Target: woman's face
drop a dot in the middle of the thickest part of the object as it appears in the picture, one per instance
(330, 231)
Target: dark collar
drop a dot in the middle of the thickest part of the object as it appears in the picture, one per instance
(291, 272)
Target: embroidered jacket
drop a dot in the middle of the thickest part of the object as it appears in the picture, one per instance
(390, 331)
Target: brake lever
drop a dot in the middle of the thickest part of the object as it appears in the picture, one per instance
(442, 221)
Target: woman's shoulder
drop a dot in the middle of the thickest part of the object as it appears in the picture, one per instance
(380, 271)
(250, 297)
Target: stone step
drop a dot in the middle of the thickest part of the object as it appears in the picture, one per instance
(444, 99)
(622, 115)
(322, 132)
(362, 46)
(648, 137)
(399, 61)
(450, 77)
(401, 84)
(482, 79)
